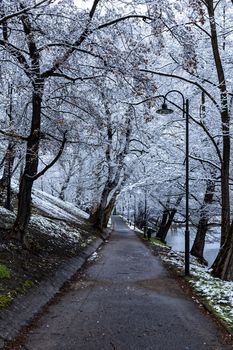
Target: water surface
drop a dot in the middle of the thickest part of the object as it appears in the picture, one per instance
(175, 239)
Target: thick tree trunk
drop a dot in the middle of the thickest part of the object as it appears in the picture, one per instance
(223, 264)
(166, 227)
(24, 209)
(31, 167)
(97, 215)
(32, 149)
(199, 242)
(167, 219)
(225, 192)
(108, 210)
(162, 226)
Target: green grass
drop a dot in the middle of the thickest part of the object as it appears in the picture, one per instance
(156, 241)
(5, 300)
(8, 295)
(22, 288)
(219, 303)
(4, 271)
(26, 285)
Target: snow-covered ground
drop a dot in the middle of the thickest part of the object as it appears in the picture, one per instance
(58, 219)
(218, 293)
(56, 207)
(54, 229)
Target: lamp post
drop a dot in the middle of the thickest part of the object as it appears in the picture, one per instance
(185, 108)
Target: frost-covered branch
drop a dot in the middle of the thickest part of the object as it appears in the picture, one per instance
(23, 11)
(169, 75)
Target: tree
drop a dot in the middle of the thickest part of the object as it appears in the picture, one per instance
(169, 213)
(199, 242)
(30, 25)
(117, 149)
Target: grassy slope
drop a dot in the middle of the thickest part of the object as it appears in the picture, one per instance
(57, 230)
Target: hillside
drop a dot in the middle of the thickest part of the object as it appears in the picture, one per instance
(57, 230)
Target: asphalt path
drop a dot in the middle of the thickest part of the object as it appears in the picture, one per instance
(125, 300)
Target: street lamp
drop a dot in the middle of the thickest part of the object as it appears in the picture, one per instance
(185, 108)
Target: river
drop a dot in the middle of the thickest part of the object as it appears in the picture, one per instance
(175, 239)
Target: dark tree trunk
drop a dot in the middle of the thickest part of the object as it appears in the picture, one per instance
(223, 264)
(167, 219)
(162, 226)
(31, 167)
(97, 215)
(108, 210)
(24, 209)
(164, 231)
(199, 242)
(32, 149)
(225, 192)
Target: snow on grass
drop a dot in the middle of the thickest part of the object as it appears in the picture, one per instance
(55, 229)
(56, 207)
(43, 225)
(217, 293)
(4, 211)
(157, 242)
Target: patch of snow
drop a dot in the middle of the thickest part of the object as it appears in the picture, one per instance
(109, 222)
(54, 229)
(93, 256)
(4, 211)
(57, 208)
(218, 293)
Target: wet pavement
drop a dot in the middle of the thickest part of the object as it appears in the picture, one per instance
(125, 300)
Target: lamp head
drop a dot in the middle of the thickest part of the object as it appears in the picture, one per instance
(164, 109)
